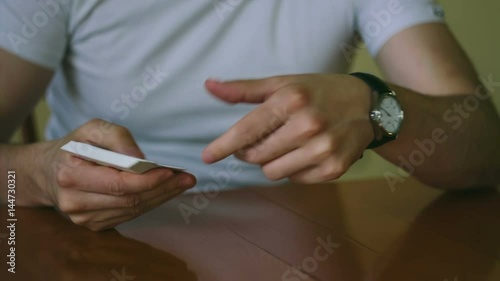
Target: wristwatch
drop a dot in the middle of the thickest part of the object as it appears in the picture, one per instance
(386, 113)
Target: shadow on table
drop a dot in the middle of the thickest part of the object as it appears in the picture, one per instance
(455, 238)
(50, 248)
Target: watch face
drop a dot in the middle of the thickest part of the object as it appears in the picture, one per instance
(391, 114)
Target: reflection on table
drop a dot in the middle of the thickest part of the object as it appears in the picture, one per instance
(347, 231)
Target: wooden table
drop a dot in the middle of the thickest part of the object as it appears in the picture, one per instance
(346, 231)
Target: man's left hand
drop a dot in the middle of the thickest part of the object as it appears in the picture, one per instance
(309, 128)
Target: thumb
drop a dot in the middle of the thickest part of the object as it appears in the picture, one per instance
(108, 136)
(246, 91)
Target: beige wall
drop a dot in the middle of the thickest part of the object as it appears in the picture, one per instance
(475, 23)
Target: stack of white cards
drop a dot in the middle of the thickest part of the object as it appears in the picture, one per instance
(112, 159)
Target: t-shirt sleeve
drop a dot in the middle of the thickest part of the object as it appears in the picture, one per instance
(35, 30)
(378, 20)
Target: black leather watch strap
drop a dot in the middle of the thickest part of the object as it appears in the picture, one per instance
(378, 87)
(373, 81)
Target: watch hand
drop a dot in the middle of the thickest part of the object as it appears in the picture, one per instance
(387, 112)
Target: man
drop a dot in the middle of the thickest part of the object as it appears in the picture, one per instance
(143, 66)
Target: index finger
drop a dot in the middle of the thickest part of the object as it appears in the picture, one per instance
(252, 128)
(89, 177)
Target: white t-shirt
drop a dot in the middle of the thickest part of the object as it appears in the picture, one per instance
(142, 64)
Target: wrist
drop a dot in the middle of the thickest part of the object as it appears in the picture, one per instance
(368, 99)
(386, 113)
(26, 160)
(41, 171)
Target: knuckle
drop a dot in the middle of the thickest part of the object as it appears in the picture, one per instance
(121, 131)
(63, 178)
(93, 123)
(243, 131)
(64, 206)
(65, 203)
(79, 220)
(137, 210)
(311, 125)
(250, 155)
(333, 170)
(298, 98)
(271, 173)
(325, 147)
(132, 200)
(116, 187)
(152, 184)
(278, 81)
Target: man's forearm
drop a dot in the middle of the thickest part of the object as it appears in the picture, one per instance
(447, 141)
(26, 161)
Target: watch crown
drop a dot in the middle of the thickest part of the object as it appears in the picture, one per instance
(375, 115)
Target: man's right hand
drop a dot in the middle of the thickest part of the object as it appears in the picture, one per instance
(99, 197)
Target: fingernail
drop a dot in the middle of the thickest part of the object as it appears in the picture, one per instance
(208, 158)
(167, 175)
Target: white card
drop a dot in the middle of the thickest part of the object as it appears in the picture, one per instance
(112, 159)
